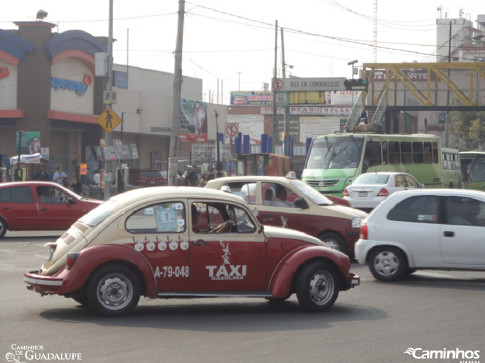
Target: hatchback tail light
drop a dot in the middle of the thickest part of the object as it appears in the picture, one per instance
(383, 193)
(364, 231)
(346, 193)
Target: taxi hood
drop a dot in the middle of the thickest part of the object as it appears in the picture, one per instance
(280, 232)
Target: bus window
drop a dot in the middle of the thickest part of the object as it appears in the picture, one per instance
(406, 155)
(428, 156)
(385, 158)
(436, 157)
(372, 155)
(418, 152)
(394, 152)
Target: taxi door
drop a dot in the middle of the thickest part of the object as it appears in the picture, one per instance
(229, 261)
(159, 234)
(57, 209)
(281, 213)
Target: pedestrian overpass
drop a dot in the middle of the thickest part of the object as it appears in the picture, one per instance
(396, 87)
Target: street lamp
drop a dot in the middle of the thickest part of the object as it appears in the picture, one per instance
(352, 64)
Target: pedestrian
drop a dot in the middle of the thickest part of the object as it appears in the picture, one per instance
(42, 174)
(76, 185)
(96, 178)
(203, 180)
(363, 115)
(191, 177)
(212, 173)
(59, 176)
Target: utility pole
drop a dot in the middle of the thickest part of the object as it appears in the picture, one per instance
(109, 88)
(177, 91)
(275, 75)
(447, 122)
(286, 139)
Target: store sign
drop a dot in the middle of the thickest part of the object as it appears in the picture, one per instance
(66, 84)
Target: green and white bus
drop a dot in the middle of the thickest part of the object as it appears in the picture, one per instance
(473, 169)
(451, 174)
(335, 160)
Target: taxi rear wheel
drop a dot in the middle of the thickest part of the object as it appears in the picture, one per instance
(113, 290)
(333, 240)
(3, 227)
(317, 286)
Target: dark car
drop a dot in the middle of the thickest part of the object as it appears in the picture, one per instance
(147, 177)
(31, 206)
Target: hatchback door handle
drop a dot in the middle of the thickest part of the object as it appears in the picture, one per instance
(199, 242)
(449, 234)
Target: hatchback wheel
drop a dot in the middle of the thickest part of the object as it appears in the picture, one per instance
(317, 287)
(388, 264)
(113, 290)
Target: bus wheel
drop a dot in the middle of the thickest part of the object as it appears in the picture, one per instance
(333, 240)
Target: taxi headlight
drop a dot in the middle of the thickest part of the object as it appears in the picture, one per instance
(356, 222)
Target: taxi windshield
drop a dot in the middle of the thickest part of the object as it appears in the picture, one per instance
(310, 193)
(98, 214)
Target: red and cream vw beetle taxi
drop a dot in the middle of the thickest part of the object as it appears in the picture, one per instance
(166, 242)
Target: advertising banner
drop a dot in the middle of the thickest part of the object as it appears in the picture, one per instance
(193, 121)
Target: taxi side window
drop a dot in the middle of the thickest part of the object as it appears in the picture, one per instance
(246, 191)
(158, 218)
(220, 218)
(21, 195)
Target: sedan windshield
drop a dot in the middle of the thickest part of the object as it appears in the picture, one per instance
(310, 193)
(98, 214)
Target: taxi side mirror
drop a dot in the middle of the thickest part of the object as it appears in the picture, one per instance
(69, 200)
(301, 203)
(261, 229)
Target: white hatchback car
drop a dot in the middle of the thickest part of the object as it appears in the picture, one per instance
(424, 229)
(369, 189)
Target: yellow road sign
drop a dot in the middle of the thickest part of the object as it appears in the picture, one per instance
(108, 120)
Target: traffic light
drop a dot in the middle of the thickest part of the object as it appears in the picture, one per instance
(359, 84)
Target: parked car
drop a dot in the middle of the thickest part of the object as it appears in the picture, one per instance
(369, 189)
(174, 242)
(303, 209)
(424, 229)
(147, 177)
(31, 206)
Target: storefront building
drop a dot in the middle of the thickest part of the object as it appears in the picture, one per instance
(49, 91)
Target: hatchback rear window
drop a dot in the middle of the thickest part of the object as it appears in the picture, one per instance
(372, 179)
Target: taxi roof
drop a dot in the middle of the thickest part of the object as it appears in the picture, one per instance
(171, 192)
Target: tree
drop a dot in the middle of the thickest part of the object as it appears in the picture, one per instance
(469, 126)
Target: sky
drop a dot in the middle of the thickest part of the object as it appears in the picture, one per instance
(230, 45)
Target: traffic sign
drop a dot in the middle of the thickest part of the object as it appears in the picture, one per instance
(108, 120)
(277, 84)
(232, 129)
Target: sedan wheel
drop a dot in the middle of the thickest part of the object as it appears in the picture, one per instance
(114, 290)
(388, 264)
(3, 227)
(317, 287)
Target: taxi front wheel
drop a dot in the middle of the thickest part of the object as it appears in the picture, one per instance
(113, 290)
(317, 286)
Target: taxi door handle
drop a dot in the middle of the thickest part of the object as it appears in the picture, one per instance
(269, 215)
(44, 209)
(449, 234)
(199, 242)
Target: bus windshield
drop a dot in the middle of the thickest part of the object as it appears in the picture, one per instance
(335, 153)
